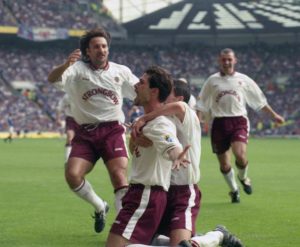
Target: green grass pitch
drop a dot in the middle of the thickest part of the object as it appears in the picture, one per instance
(38, 210)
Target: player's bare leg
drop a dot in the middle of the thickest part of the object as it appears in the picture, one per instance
(117, 169)
(75, 173)
(218, 237)
(68, 147)
(114, 240)
(239, 150)
(228, 173)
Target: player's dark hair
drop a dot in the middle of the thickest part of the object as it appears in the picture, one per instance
(227, 51)
(86, 38)
(161, 79)
(181, 88)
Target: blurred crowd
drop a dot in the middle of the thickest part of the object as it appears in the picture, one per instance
(69, 14)
(275, 69)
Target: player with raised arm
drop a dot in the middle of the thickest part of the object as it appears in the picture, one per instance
(96, 88)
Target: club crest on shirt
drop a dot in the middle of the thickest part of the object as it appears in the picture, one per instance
(84, 79)
(117, 79)
(168, 138)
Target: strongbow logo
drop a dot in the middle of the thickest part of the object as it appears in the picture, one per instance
(227, 92)
(108, 93)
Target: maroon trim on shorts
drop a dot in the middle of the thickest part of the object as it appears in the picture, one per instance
(141, 217)
(177, 205)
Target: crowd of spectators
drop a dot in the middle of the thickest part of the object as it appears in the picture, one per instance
(6, 18)
(69, 14)
(277, 73)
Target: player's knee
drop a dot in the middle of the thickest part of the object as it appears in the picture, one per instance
(241, 162)
(117, 170)
(118, 177)
(72, 177)
(225, 168)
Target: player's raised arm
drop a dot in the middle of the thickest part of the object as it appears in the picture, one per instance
(57, 72)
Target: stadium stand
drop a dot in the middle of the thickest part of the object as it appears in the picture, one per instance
(56, 14)
(274, 67)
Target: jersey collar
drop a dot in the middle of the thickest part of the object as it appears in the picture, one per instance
(93, 68)
(223, 74)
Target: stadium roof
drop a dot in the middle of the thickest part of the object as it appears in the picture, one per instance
(221, 22)
(128, 10)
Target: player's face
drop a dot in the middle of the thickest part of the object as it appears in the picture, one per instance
(98, 52)
(143, 91)
(227, 63)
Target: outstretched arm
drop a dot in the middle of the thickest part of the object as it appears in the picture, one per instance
(178, 157)
(175, 108)
(276, 117)
(57, 72)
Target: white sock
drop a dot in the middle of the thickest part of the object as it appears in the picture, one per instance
(160, 240)
(243, 173)
(230, 179)
(86, 192)
(210, 239)
(68, 149)
(119, 194)
(143, 245)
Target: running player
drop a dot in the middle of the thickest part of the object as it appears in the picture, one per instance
(224, 96)
(70, 125)
(96, 88)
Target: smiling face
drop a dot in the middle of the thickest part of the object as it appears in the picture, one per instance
(227, 62)
(98, 51)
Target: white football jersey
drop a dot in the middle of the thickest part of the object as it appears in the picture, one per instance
(188, 133)
(192, 102)
(97, 95)
(64, 105)
(150, 166)
(227, 96)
